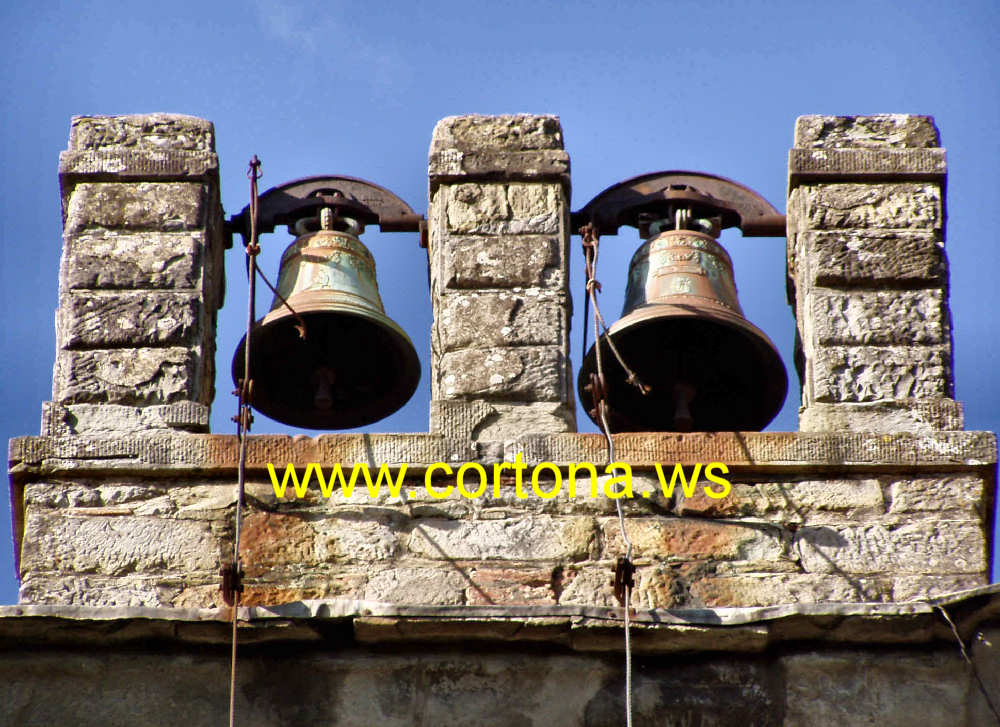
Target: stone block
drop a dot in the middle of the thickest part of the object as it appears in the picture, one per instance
(516, 586)
(48, 495)
(804, 501)
(923, 588)
(868, 374)
(107, 320)
(522, 374)
(897, 317)
(197, 501)
(591, 586)
(918, 416)
(143, 206)
(361, 538)
(260, 592)
(124, 163)
(137, 377)
(128, 261)
(110, 545)
(945, 493)
(470, 206)
(896, 689)
(83, 497)
(519, 132)
(125, 500)
(506, 261)
(270, 539)
(499, 421)
(531, 317)
(868, 164)
(125, 591)
(939, 546)
(533, 202)
(864, 258)
(770, 589)
(443, 586)
(98, 419)
(454, 164)
(525, 539)
(878, 131)
(499, 209)
(905, 205)
(152, 132)
(693, 539)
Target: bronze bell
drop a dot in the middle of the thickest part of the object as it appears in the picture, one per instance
(684, 334)
(354, 365)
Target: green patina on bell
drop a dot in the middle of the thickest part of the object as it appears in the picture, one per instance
(355, 365)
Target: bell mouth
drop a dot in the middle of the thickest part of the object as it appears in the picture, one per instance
(353, 368)
(708, 369)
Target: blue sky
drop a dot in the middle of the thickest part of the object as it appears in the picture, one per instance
(349, 88)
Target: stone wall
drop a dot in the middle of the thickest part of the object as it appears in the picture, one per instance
(141, 276)
(147, 520)
(367, 664)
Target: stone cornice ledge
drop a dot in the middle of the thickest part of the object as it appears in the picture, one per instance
(580, 628)
(173, 452)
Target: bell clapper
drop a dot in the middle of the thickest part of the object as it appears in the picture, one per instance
(683, 394)
(322, 379)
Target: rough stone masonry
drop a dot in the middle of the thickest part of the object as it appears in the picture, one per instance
(868, 276)
(831, 543)
(499, 262)
(141, 277)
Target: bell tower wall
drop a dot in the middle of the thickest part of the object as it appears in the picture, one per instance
(881, 498)
(824, 575)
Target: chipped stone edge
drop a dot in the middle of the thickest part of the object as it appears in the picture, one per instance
(658, 630)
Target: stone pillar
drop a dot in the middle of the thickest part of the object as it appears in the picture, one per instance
(141, 276)
(868, 275)
(498, 246)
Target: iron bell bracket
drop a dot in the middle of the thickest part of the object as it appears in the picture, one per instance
(628, 202)
(348, 196)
